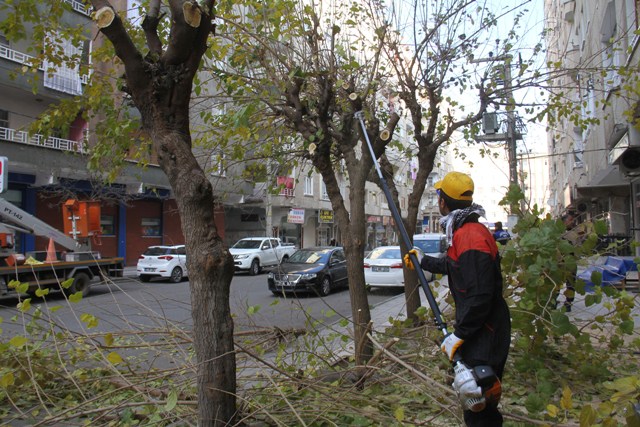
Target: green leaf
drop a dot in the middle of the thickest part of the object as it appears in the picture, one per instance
(25, 305)
(42, 292)
(172, 400)
(253, 309)
(76, 297)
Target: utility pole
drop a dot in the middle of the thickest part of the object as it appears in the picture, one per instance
(511, 136)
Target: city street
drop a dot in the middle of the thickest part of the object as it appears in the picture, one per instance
(127, 304)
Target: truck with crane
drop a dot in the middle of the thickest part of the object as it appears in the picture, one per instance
(79, 263)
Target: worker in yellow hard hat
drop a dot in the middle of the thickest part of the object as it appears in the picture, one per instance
(482, 330)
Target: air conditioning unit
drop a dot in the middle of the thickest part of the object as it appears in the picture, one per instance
(629, 162)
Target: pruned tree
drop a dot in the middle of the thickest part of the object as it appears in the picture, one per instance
(159, 81)
(312, 66)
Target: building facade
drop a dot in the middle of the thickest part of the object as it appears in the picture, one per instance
(137, 210)
(594, 163)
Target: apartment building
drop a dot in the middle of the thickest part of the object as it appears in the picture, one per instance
(594, 166)
(44, 171)
(300, 211)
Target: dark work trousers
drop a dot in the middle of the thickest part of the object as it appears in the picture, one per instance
(489, 417)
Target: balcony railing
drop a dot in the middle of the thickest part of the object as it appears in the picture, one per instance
(287, 192)
(24, 59)
(21, 137)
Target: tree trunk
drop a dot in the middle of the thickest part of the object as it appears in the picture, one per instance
(210, 273)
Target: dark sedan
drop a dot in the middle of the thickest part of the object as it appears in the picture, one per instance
(317, 270)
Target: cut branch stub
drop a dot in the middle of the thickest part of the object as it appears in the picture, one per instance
(192, 14)
(104, 16)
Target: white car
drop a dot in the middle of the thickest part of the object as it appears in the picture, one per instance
(383, 267)
(168, 262)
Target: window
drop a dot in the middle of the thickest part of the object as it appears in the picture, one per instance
(62, 77)
(107, 225)
(150, 227)
(3, 41)
(324, 194)
(308, 186)
(4, 119)
(610, 53)
(218, 164)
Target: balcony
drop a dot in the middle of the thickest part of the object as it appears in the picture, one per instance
(21, 137)
(28, 60)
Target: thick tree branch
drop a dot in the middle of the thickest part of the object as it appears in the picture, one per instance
(150, 27)
(111, 26)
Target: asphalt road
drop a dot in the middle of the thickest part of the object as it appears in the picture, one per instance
(127, 304)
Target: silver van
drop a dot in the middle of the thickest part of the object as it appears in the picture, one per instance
(433, 244)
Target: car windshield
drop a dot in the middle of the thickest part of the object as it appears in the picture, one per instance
(156, 251)
(385, 253)
(309, 257)
(247, 244)
(428, 246)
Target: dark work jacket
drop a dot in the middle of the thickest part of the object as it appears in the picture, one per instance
(483, 321)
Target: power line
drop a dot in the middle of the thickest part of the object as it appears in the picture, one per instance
(539, 156)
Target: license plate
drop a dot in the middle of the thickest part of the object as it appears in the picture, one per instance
(149, 269)
(380, 269)
(283, 284)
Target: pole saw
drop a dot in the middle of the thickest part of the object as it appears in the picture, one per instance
(475, 386)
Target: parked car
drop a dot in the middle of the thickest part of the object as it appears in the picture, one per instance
(433, 244)
(383, 267)
(317, 269)
(253, 253)
(168, 262)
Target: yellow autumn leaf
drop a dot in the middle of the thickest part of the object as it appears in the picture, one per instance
(18, 341)
(552, 410)
(114, 358)
(108, 339)
(7, 380)
(90, 320)
(399, 413)
(566, 402)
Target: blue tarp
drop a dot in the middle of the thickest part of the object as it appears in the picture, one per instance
(613, 271)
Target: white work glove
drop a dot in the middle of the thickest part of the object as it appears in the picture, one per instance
(468, 390)
(450, 344)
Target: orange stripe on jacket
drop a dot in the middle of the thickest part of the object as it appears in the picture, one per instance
(472, 236)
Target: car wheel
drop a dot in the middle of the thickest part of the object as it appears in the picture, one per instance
(255, 267)
(325, 286)
(284, 259)
(81, 283)
(176, 275)
(145, 278)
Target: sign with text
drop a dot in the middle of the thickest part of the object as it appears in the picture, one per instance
(325, 216)
(295, 216)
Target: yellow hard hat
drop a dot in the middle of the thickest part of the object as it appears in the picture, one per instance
(457, 185)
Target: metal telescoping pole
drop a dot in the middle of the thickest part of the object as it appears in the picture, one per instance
(403, 232)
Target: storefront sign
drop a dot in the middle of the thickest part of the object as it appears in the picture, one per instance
(325, 216)
(295, 216)
(374, 218)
